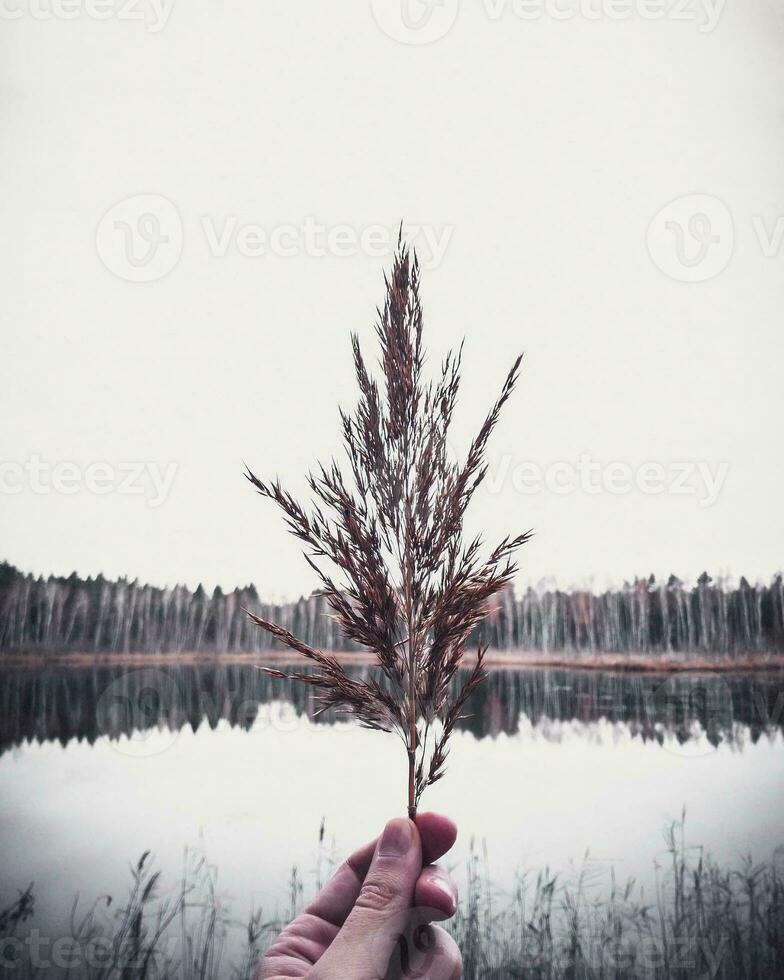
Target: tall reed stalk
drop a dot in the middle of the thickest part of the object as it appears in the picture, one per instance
(406, 585)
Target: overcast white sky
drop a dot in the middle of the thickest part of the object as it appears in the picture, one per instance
(265, 146)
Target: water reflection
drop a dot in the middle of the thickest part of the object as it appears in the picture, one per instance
(63, 704)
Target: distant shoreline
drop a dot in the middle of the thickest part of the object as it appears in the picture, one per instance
(495, 660)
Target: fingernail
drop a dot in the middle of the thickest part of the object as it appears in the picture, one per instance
(396, 839)
(447, 891)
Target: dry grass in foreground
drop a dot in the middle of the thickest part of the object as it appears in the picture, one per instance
(702, 922)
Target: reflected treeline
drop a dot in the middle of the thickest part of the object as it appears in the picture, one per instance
(645, 616)
(60, 704)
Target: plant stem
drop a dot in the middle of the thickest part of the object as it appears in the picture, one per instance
(412, 807)
(412, 729)
(412, 714)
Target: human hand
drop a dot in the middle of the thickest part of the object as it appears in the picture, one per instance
(371, 919)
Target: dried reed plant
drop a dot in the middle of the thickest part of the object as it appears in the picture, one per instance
(408, 587)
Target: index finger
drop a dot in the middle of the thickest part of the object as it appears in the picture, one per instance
(336, 899)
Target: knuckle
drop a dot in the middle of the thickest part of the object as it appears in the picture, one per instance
(378, 892)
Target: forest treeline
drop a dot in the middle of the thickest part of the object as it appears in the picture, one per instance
(644, 616)
(63, 703)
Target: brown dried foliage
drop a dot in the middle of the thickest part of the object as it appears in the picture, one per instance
(408, 587)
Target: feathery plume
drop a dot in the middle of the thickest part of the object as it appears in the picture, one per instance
(385, 538)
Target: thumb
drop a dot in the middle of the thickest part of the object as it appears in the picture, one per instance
(367, 939)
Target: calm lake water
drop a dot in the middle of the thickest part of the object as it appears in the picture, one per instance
(98, 765)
